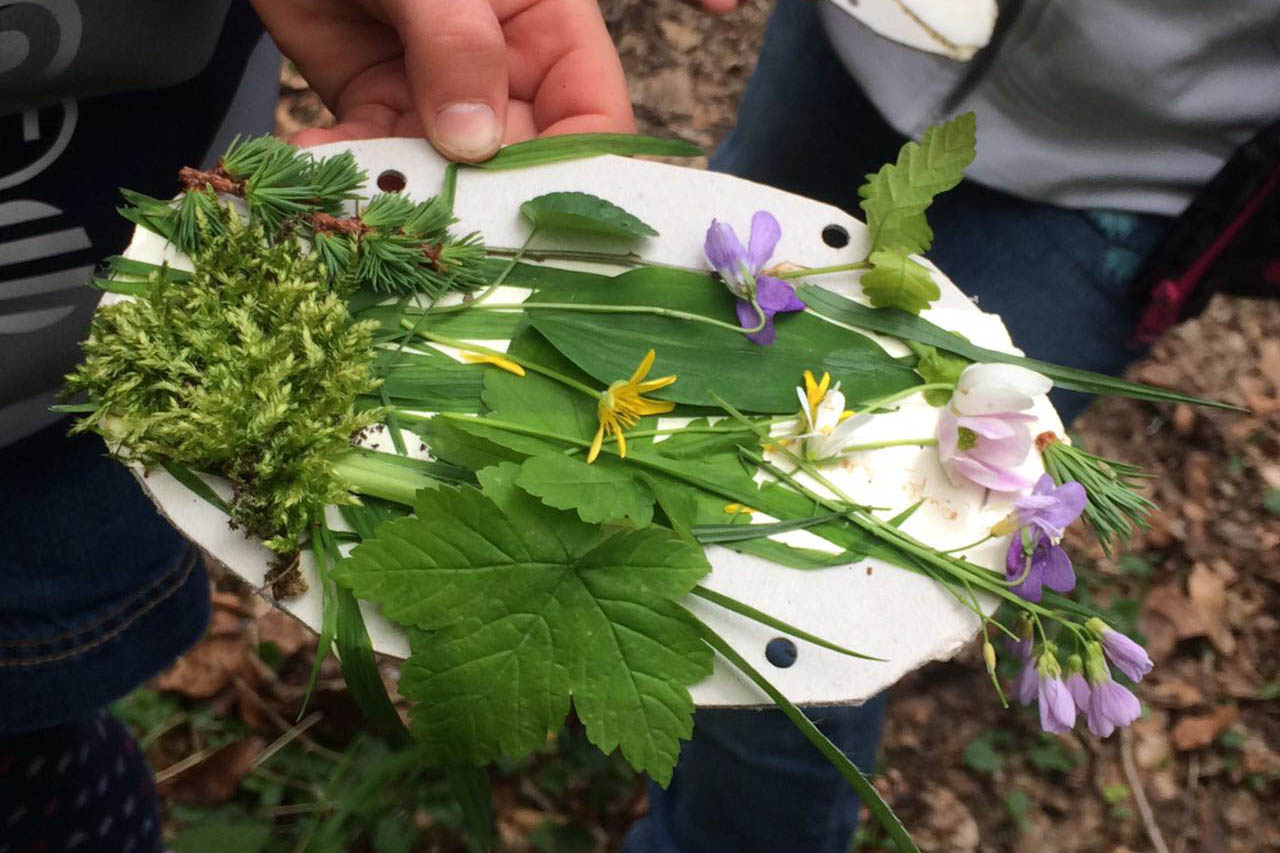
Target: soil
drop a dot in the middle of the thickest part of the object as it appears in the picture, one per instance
(1201, 770)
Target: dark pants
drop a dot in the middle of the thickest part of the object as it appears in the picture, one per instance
(1059, 278)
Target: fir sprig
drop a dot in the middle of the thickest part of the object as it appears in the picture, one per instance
(1114, 506)
(250, 369)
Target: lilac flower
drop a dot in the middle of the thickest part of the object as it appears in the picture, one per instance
(1036, 562)
(1050, 509)
(1024, 685)
(982, 434)
(1111, 705)
(1078, 687)
(1057, 707)
(1042, 682)
(1126, 655)
(740, 270)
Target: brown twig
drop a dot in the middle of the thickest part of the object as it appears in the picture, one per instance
(216, 179)
(279, 721)
(1139, 795)
(329, 224)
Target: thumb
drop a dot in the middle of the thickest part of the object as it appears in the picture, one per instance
(455, 59)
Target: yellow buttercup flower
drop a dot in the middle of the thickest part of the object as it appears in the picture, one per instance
(622, 405)
(491, 358)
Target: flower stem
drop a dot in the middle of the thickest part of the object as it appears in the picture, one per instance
(629, 259)
(363, 472)
(802, 273)
(608, 309)
(488, 291)
(897, 442)
(881, 402)
(957, 568)
(968, 547)
(525, 363)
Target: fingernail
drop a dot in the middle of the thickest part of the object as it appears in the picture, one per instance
(467, 130)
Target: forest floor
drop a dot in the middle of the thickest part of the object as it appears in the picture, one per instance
(1200, 771)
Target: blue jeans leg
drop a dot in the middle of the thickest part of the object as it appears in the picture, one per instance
(749, 782)
(1059, 278)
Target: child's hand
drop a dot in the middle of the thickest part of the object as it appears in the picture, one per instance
(468, 74)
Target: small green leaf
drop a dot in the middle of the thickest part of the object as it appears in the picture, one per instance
(895, 198)
(897, 281)
(1271, 501)
(503, 598)
(599, 492)
(576, 146)
(983, 754)
(583, 213)
(936, 366)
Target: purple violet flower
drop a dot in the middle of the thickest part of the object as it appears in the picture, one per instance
(1111, 705)
(982, 433)
(1050, 509)
(740, 270)
(1126, 655)
(1046, 565)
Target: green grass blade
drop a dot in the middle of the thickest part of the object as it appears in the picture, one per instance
(712, 534)
(900, 324)
(861, 786)
(744, 609)
(575, 146)
(200, 488)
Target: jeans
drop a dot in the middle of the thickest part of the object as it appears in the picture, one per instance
(99, 592)
(1059, 278)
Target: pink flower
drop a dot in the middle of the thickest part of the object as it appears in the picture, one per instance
(982, 433)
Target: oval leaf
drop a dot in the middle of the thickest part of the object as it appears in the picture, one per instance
(585, 214)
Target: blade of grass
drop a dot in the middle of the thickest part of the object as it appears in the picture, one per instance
(861, 786)
(744, 609)
(900, 324)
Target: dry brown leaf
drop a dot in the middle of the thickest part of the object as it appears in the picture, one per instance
(1207, 593)
(285, 632)
(1199, 731)
(949, 824)
(1173, 693)
(1197, 475)
(206, 669)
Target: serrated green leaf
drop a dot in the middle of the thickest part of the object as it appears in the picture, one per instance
(895, 198)
(897, 281)
(585, 214)
(599, 492)
(511, 617)
(935, 366)
(576, 146)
